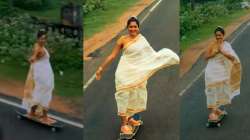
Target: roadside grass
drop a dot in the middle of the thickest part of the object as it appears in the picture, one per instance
(97, 20)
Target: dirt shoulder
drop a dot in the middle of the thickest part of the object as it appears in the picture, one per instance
(110, 31)
(192, 54)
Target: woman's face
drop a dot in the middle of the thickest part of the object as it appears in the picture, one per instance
(42, 39)
(133, 28)
(219, 36)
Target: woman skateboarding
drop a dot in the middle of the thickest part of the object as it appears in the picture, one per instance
(40, 81)
(139, 61)
(222, 75)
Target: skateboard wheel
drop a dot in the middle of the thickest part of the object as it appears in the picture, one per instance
(19, 117)
(219, 125)
(53, 129)
(207, 125)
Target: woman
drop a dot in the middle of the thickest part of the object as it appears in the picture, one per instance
(222, 75)
(138, 63)
(40, 81)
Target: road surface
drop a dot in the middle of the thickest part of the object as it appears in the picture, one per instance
(11, 128)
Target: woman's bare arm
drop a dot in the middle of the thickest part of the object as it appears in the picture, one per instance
(208, 54)
(36, 54)
(110, 58)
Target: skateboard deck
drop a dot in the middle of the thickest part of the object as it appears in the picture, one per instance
(135, 130)
(53, 126)
(217, 123)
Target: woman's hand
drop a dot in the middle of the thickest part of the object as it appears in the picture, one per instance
(229, 56)
(98, 73)
(32, 60)
(210, 53)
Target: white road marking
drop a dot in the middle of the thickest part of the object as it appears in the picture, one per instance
(151, 10)
(79, 125)
(89, 82)
(92, 78)
(201, 73)
(189, 85)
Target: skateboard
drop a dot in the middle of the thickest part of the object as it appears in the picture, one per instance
(135, 130)
(53, 126)
(217, 123)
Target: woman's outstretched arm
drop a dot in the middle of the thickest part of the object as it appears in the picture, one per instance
(110, 58)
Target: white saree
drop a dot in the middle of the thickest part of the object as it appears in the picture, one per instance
(138, 62)
(39, 84)
(222, 78)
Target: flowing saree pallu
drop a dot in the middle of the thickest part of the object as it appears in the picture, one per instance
(222, 78)
(27, 102)
(138, 62)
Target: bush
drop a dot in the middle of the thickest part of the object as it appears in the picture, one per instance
(192, 19)
(18, 36)
(32, 4)
(65, 52)
(232, 4)
(7, 10)
(91, 5)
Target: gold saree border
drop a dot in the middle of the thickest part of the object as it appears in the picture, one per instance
(132, 111)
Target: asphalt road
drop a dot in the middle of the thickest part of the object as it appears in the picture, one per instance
(193, 104)
(11, 128)
(161, 120)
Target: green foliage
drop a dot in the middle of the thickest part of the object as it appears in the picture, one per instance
(65, 52)
(32, 4)
(7, 9)
(232, 4)
(18, 35)
(193, 18)
(91, 5)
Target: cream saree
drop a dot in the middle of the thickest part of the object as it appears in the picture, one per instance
(138, 63)
(222, 78)
(39, 84)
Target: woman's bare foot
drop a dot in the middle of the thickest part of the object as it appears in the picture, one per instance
(126, 129)
(47, 120)
(134, 122)
(220, 112)
(31, 114)
(213, 116)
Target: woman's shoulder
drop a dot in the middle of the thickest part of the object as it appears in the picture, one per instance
(121, 39)
(38, 48)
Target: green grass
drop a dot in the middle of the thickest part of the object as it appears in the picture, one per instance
(95, 21)
(68, 85)
(206, 31)
(52, 13)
